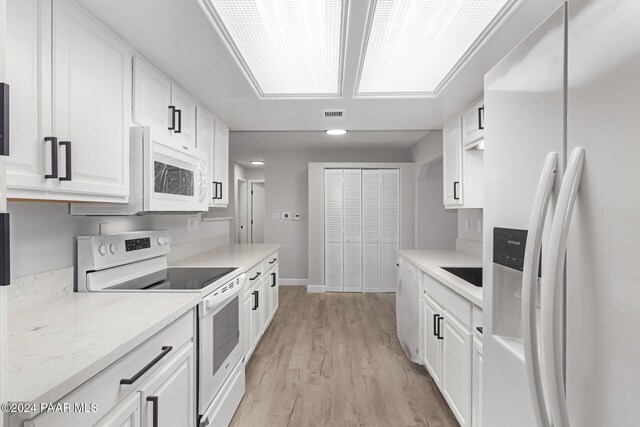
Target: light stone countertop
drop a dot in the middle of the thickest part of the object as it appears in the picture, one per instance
(59, 339)
(430, 262)
(244, 256)
(55, 347)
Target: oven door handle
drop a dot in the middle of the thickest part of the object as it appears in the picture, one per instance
(212, 301)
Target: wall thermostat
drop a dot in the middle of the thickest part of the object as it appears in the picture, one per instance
(286, 215)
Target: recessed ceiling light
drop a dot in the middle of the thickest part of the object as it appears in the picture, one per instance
(257, 162)
(287, 48)
(335, 132)
(415, 46)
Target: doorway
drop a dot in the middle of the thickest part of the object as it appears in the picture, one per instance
(257, 211)
(242, 202)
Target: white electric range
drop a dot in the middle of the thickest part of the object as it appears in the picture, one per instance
(137, 262)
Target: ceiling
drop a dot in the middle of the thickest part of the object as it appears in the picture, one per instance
(179, 39)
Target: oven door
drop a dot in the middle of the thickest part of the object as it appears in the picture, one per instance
(175, 177)
(220, 348)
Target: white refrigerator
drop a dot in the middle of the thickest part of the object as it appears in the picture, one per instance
(562, 178)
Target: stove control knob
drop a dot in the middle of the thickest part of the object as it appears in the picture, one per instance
(113, 248)
(103, 249)
(161, 240)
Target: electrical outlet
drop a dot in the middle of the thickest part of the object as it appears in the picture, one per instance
(467, 224)
(478, 225)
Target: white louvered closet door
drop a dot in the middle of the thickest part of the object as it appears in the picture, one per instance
(390, 224)
(371, 230)
(352, 186)
(333, 230)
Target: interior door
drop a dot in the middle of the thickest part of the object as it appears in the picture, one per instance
(333, 230)
(352, 192)
(91, 94)
(371, 229)
(241, 203)
(390, 228)
(257, 212)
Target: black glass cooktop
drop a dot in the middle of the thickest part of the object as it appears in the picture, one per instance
(176, 278)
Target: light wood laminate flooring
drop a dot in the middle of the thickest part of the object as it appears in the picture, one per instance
(334, 360)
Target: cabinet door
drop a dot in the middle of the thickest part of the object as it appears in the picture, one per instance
(456, 368)
(205, 130)
(273, 289)
(91, 96)
(352, 187)
(265, 300)
(333, 230)
(221, 163)
(28, 73)
(247, 312)
(476, 397)
(390, 227)
(184, 129)
(473, 123)
(126, 414)
(432, 351)
(169, 396)
(371, 230)
(452, 163)
(151, 98)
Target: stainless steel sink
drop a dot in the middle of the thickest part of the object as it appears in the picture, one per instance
(472, 275)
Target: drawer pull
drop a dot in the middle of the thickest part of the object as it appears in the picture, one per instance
(273, 280)
(256, 276)
(141, 372)
(154, 402)
(273, 260)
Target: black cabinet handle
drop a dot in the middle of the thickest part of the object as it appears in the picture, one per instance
(255, 300)
(479, 329)
(215, 190)
(481, 117)
(141, 372)
(220, 195)
(256, 276)
(179, 129)
(154, 402)
(455, 190)
(273, 261)
(440, 337)
(54, 157)
(172, 109)
(435, 325)
(67, 160)
(273, 280)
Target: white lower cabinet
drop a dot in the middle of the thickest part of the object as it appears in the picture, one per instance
(456, 368)
(476, 397)
(260, 301)
(156, 381)
(449, 352)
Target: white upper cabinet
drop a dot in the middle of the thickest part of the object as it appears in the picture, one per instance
(162, 105)
(220, 164)
(473, 123)
(452, 162)
(463, 155)
(151, 98)
(184, 129)
(205, 134)
(70, 84)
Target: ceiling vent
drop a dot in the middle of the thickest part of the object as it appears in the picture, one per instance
(333, 114)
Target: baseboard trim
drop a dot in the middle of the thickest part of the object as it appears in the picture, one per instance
(315, 289)
(293, 282)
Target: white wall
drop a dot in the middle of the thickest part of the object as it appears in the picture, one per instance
(43, 234)
(473, 215)
(436, 227)
(286, 186)
(428, 149)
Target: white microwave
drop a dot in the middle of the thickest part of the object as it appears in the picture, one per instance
(165, 177)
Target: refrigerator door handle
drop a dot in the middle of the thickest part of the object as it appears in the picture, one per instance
(529, 278)
(552, 290)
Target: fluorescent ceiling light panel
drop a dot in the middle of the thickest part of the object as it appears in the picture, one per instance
(287, 47)
(414, 46)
